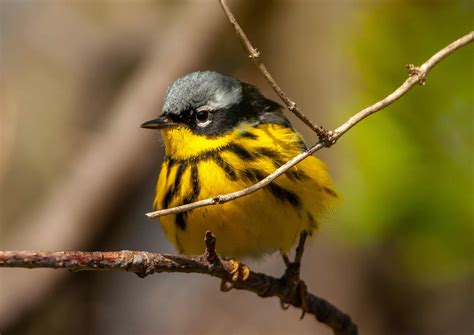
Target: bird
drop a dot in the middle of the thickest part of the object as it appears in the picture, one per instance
(222, 135)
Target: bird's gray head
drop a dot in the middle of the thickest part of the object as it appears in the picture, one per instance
(210, 103)
(199, 89)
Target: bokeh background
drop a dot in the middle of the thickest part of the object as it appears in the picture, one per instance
(77, 172)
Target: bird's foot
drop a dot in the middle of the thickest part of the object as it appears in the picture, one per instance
(302, 290)
(292, 277)
(237, 271)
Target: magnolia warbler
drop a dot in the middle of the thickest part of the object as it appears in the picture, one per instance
(222, 135)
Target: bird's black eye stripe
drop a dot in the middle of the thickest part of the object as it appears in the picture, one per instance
(188, 112)
(186, 116)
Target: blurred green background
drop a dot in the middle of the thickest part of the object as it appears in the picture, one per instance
(77, 172)
(413, 172)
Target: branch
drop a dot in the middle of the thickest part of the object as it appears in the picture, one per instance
(146, 263)
(254, 55)
(416, 75)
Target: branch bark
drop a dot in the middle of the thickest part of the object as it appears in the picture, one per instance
(146, 263)
(416, 75)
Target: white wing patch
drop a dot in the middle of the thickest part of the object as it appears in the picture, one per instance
(225, 98)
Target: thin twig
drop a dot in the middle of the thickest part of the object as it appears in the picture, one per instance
(146, 263)
(220, 199)
(417, 75)
(255, 56)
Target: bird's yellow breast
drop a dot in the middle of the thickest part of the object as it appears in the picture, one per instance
(199, 167)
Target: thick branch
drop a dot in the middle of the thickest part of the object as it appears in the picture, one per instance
(145, 263)
(417, 75)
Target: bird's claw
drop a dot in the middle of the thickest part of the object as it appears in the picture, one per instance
(237, 271)
(302, 292)
(284, 305)
(303, 295)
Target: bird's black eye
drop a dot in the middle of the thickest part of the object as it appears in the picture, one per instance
(203, 118)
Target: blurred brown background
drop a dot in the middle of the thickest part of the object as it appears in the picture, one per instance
(77, 172)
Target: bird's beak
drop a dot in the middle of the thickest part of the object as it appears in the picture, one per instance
(162, 122)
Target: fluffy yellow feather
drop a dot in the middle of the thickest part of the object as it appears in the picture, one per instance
(221, 136)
